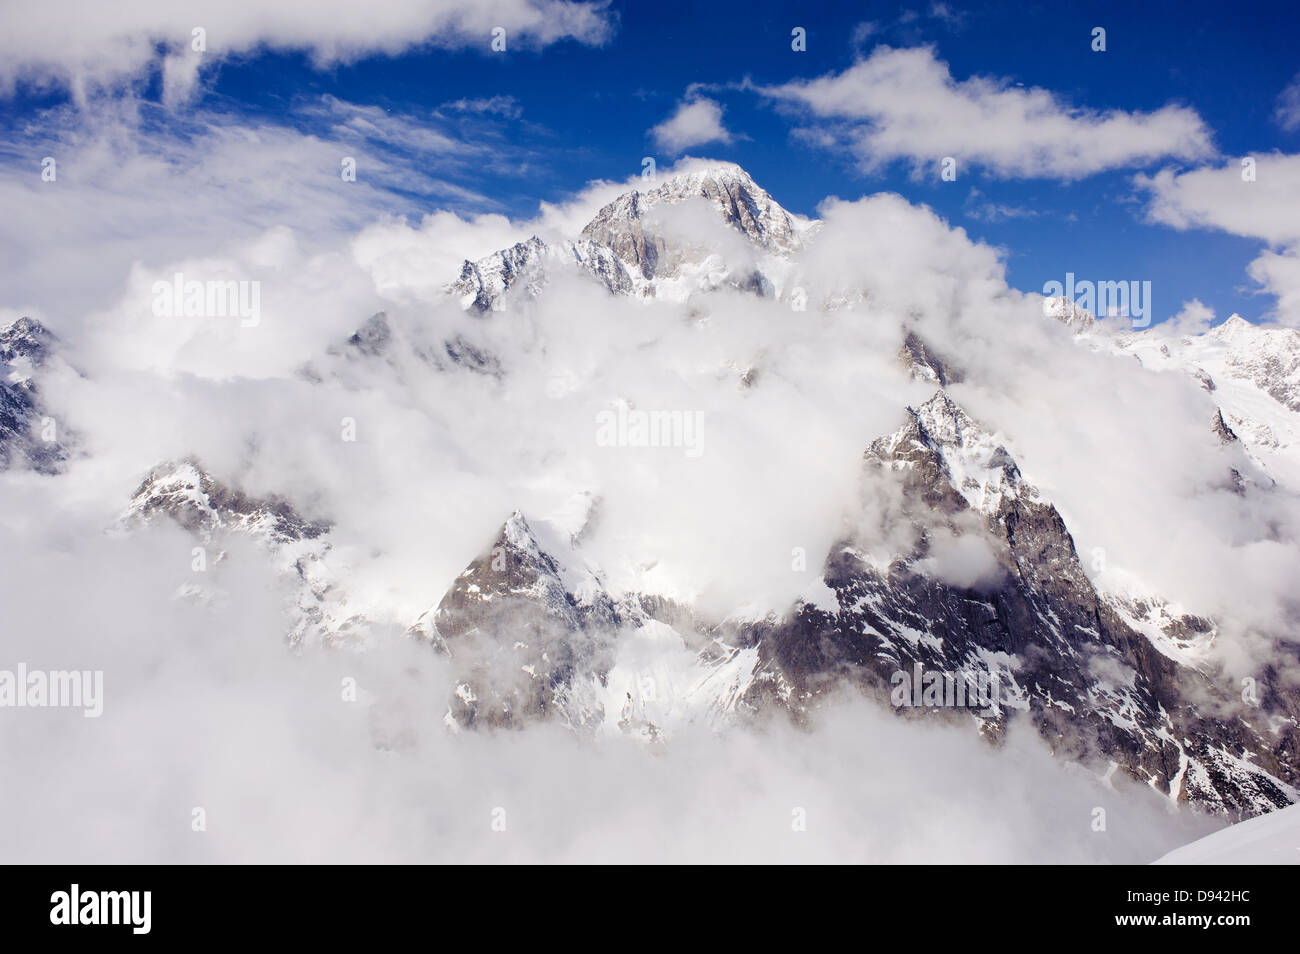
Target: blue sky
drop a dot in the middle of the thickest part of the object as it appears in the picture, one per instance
(545, 117)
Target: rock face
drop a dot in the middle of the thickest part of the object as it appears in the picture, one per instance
(1062, 656)
(521, 625)
(28, 437)
(532, 633)
(923, 364)
(1221, 429)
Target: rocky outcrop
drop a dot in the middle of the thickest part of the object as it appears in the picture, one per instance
(521, 624)
(921, 362)
(298, 548)
(29, 436)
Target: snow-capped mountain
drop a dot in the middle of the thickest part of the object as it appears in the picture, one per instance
(982, 583)
(632, 250)
(1251, 371)
(634, 663)
(535, 632)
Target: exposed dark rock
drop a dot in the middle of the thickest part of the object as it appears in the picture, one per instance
(185, 492)
(923, 364)
(516, 630)
(1221, 428)
(29, 436)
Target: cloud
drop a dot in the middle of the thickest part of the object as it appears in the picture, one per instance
(135, 183)
(696, 122)
(116, 44)
(985, 210)
(1192, 319)
(964, 561)
(505, 106)
(203, 706)
(1255, 197)
(1224, 198)
(945, 14)
(904, 104)
(1287, 113)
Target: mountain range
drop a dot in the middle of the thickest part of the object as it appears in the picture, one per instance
(987, 587)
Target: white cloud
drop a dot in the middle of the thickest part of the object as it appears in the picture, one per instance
(1262, 206)
(1220, 198)
(1287, 113)
(982, 209)
(137, 185)
(905, 104)
(203, 705)
(696, 122)
(862, 32)
(116, 43)
(1192, 319)
(964, 561)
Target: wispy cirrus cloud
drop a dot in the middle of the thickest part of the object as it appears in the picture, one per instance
(506, 107)
(905, 104)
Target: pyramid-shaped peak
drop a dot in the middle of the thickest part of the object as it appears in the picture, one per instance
(738, 199)
(946, 421)
(1235, 325)
(944, 448)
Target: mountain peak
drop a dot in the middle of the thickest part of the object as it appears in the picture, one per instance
(629, 253)
(743, 204)
(186, 492)
(25, 338)
(1234, 326)
(694, 175)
